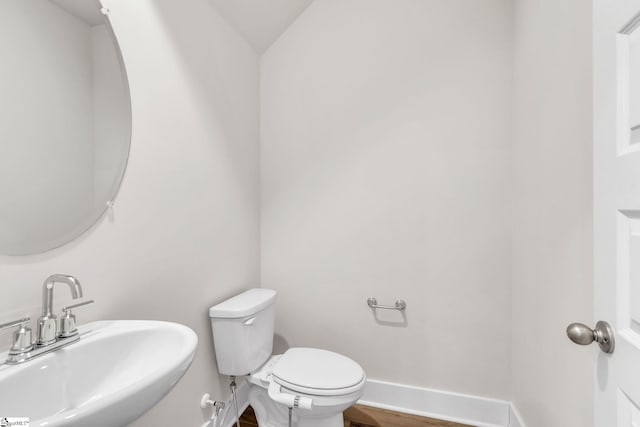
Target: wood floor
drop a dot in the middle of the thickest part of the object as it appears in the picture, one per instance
(366, 416)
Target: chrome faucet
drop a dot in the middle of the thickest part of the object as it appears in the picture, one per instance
(48, 339)
(47, 323)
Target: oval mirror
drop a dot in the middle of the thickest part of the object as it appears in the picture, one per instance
(65, 121)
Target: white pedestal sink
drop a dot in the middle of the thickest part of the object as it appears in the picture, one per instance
(114, 374)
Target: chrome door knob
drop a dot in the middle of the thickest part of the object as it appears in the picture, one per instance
(584, 335)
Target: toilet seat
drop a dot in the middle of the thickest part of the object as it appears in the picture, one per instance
(318, 372)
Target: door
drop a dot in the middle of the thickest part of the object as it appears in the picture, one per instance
(617, 207)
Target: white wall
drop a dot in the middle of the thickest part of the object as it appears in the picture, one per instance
(385, 172)
(185, 228)
(552, 215)
(387, 175)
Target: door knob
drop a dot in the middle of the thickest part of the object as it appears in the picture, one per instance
(584, 335)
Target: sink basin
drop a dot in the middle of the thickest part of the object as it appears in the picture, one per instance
(114, 374)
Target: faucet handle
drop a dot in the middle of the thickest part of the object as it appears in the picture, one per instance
(68, 326)
(14, 323)
(68, 308)
(21, 337)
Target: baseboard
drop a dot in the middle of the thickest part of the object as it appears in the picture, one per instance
(443, 405)
(447, 406)
(515, 419)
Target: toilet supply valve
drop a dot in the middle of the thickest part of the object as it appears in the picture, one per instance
(217, 406)
(288, 400)
(206, 401)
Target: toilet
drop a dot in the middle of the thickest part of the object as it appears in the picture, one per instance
(318, 385)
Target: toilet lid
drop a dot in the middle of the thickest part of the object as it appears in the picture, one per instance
(316, 371)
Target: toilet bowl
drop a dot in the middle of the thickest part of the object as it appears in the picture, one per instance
(326, 382)
(316, 385)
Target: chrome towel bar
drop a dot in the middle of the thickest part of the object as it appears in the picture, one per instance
(400, 305)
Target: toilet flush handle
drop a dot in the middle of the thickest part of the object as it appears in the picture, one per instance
(249, 322)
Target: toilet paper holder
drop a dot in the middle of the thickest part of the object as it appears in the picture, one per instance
(400, 305)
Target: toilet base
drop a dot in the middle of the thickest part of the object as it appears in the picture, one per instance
(271, 414)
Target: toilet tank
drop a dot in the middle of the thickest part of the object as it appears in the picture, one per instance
(242, 328)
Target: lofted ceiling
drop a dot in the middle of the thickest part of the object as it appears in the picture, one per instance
(261, 22)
